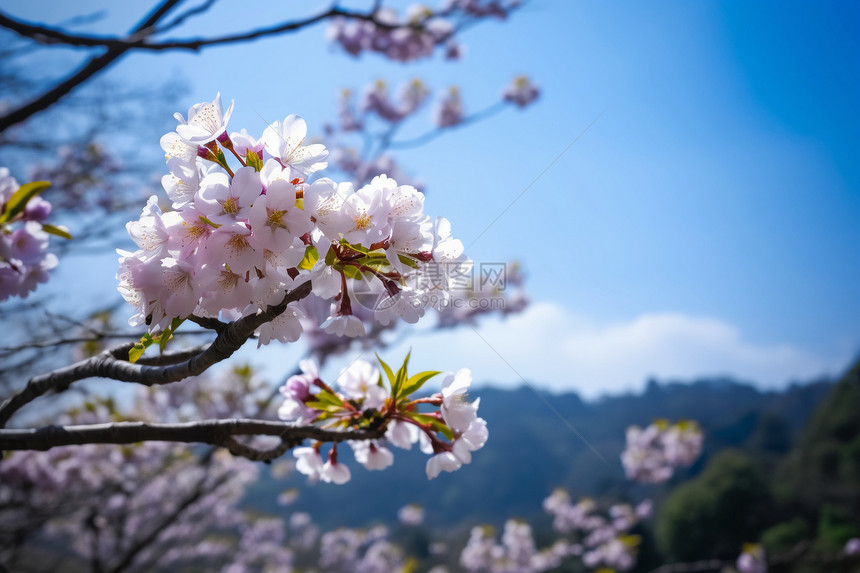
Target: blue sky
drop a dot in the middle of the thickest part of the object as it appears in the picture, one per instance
(705, 224)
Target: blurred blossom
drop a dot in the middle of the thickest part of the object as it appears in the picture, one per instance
(752, 559)
(411, 514)
(521, 92)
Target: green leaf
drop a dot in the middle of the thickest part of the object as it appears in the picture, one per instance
(387, 369)
(58, 231)
(422, 418)
(253, 160)
(358, 248)
(434, 422)
(400, 378)
(324, 406)
(408, 261)
(411, 566)
(167, 335)
(416, 382)
(19, 199)
(329, 398)
(310, 258)
(140, 347)
(330, 256)
(443, 429)
(350, 271)
(376, 263)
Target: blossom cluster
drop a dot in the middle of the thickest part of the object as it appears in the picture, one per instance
(104, 500)
(416, 33)
(652, 454)
(24, 237)
(375, 99)
(345, 550)
(604, 538)
(236, 240)
(449, 434)
(449, 110)
(515, 554)
(377, 105)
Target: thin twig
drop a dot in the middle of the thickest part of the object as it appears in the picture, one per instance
(431, 135)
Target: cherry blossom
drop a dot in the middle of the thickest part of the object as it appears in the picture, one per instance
(521, 92)
(449, 110)
(412, 514)
(653, 453)
(24, 237)
(240, 237)
(206, 121)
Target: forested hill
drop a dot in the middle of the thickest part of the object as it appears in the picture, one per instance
(531, 451)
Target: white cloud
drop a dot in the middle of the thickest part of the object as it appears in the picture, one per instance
(559, 350)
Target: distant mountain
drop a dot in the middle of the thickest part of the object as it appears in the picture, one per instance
(531, 451)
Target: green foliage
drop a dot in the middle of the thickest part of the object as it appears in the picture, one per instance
(835, 528)
(55, 230)
(824, 468)
(253, 160)
(714, 514)
(310, 258)
(147, 340)
(19, 199)
(402, 385)
(784, 536)
(771, 435)
(140, 347)
(417, 381)
(549, 455)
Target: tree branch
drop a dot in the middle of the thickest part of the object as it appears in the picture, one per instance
(709, 565)
(213, 432)
(47, 35)
(208, 322)
(92, 67)
(113, 362)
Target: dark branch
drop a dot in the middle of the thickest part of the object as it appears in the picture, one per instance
(709, 565)
(208, 322)
(213, 432)
(170, 357)
(92, 67)
(190, 13)
(47, 35)
(113, 363)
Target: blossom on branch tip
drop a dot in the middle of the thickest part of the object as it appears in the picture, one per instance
(653, 453)
(521, 92)
(334, 472)
(285, 142)
(449, 110)
(206, 121)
